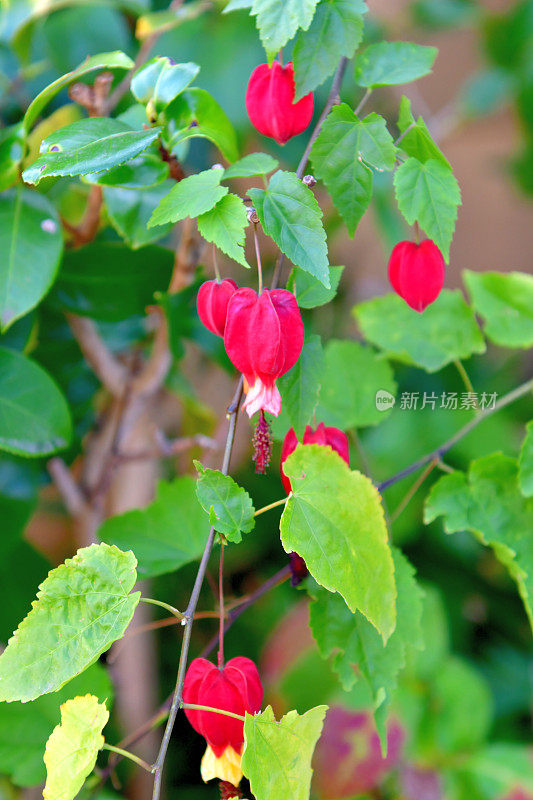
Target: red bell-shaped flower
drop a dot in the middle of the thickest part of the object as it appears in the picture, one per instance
(270, 103)
(416, 272)
(212, 303)
(333, 437)
(236, 688)
(263, 338)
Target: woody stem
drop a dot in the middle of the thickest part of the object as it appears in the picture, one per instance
(220, 656)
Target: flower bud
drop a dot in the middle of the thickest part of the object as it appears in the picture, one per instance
(212, 304)
(416, 272)
(309, 180)
(263, 338)
(270, 103)
(335, 438)
(236, 688)
(252, 215)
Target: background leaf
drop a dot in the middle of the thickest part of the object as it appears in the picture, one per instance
(309, 291)
(526, 463)
(390, 63)
(505, 302)
(300, 386)
(229, 506)
(224, 225)
(129, 211)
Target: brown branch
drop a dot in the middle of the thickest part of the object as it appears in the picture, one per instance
(109, 370)
(73, 496)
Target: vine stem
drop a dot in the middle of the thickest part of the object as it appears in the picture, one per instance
(362, 102)
(465, 378)
(166, 606)
(220, 655)
(437, 454)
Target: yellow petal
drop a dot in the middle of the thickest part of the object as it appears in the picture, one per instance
(225, 768)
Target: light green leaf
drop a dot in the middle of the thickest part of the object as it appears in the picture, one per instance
(488, 503)
(114, 60)
(277, 755)
(342, 155)
(353, 376)
(160, 81)
(224, 225)
(290, 214)
(334, 519)
(446, 331)
(278, 20)
(82, 607)
(300, 386)
(129, 211)
(390, 63)
(141, 172)
(167, 534)
(34, 416)
(237, 5)
(500, 769)
(229, 506)
(250, 165)
(190, 197)
(31, 244)
(416, 140)
(336, 30)
(309, 291)
(429, 194)
(89, 145)
(505, 302)
(73, 747)
(195, 113)
(525, 463)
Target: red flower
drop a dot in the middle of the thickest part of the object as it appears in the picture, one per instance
(263, 338)
(333, 437)
(416, 272)
(236, 688)
(270, 103)
(212, 303)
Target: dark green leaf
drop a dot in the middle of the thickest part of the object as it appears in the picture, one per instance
(309, 291)
(278, 21)
(525, 475)
(390, 63)
(299, 388)
(141, 172)
(505, 303)
(190, 197)
(11, 153)
(250, 165)
(416, 140)
(224, 225)
(161, 81)
(195, 113)
(229, 506)
(129, 211)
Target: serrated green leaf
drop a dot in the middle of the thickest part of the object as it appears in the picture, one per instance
(353, 377)
(334, 519)
(73, 747)
(250, 165)
(82, 607)
(336, 30)
(300, 386)
(161, 81)
(290, 214)
(167, 534)
(342, 155)
(390, 63)
(141, 172)
(195, 113)
(224, 225)
(505, 302)
(309, 291)
(416, 140)
(34, 416)
(129, 211)
(229, 506)
(277, 755)
(278, 20)
(446, 331)
(429, 194)
(31, 242)
(488, 503)
(525, 475)
(190, 197)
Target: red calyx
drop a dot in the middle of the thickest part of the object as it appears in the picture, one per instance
(212, 303)
(236, 688)
(263, 338)
(270, 102)
(333, 437)
(416, 272)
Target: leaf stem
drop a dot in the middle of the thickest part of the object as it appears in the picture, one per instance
(465, 378)
(196, 707)
(166, 606)
(259, 266)
(271, 505)
(215, 264)
(127, 754)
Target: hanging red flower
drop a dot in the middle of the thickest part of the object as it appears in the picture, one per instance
(212, 303)
(333, 437)
(263, 338)
(270, 102)
(416, 272)
(236, 688)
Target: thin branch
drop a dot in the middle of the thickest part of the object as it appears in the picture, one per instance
(125, 754)
(362, 102)
(73, 497)
(220, 656)
(108, 369)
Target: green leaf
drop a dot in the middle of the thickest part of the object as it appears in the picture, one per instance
(390, 63)
(140, 173)
(190, 197)
(525, 475)
(429, 194)
(229, 506)
(167, 534)
(129, 211)
(195, 113)
(278, 20)
(114, 60)
(167, 19)
(34, 416)
(161, 81)
(224, 225)
(300, 386)
(505, 302)
(488, 503)
(290, 214)
(336, 30)
(89, 145)
(309, 291)
(353, 376)
(445, 332)
(31, 243)
(73, 747)
(236, 5)
(344, 152)
(82, 607)
(250, 165)
(334, 519)
(500, 769)
(109, 282)
(416, 140)
(11, 153)
(277, 755)
(357, 648)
